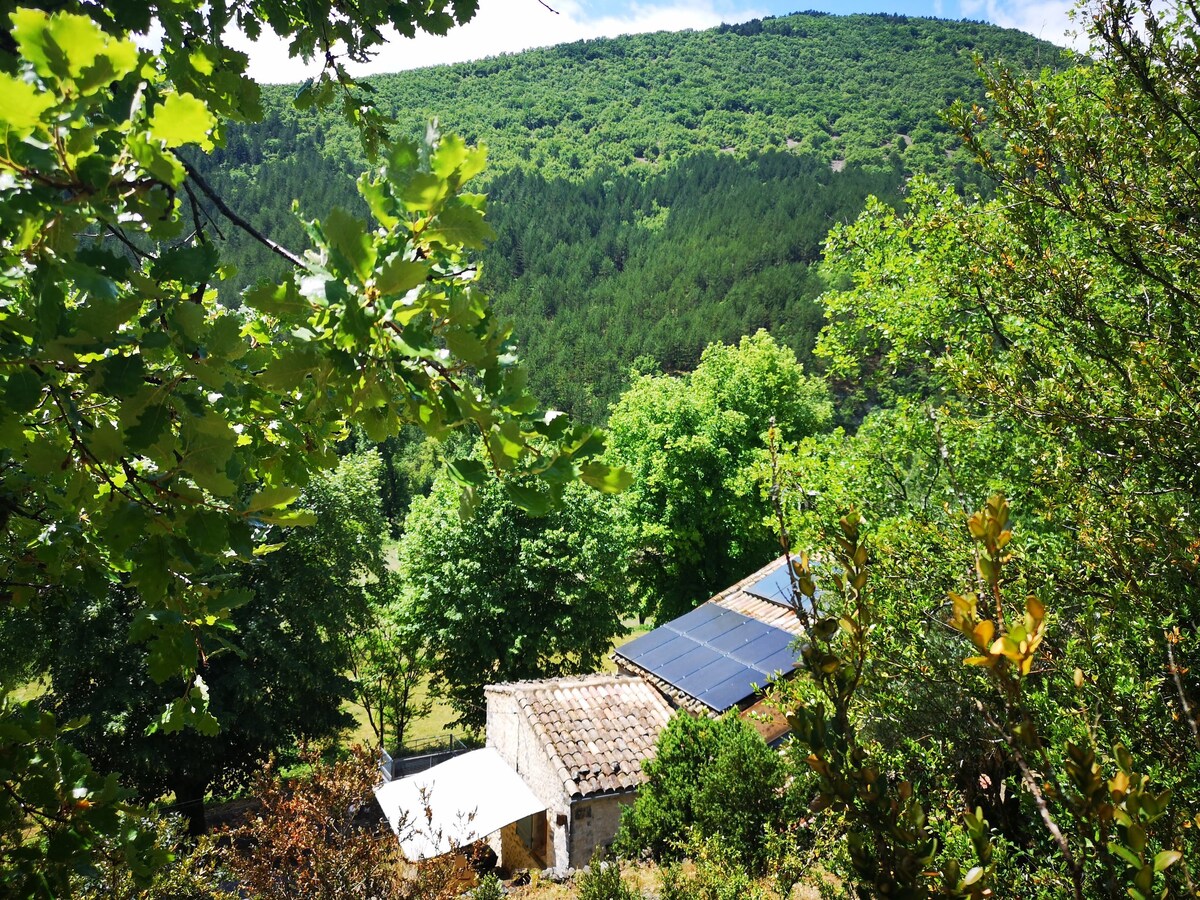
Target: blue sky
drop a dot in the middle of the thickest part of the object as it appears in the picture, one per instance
(508, 26)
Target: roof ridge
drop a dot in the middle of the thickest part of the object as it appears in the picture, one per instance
(560, 680)
(748, 580)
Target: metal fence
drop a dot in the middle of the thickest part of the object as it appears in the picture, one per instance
(421, 756)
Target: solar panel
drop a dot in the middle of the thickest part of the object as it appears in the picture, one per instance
(643, 644)
(667, 653)
(705, 612)
(736, 638)
(683, 667)
(776, 586)
(728, 693)
(710, 632)
(766, 646)
(722, 668)
(783, 660)
(713, 654)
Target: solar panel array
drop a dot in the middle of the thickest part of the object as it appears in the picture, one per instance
(776, 586)
(713, 654)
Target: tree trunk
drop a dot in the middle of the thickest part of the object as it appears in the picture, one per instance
(189, 802)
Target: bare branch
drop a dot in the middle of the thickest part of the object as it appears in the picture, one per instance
(237, 220)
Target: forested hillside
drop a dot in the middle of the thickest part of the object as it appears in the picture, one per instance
(598, 275)
(846, 87)
(996, 562)
(656, 192)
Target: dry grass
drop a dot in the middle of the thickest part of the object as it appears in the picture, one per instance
(645, 877)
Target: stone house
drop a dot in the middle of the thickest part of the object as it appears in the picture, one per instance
(579, 744)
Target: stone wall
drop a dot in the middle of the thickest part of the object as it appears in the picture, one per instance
(515, 855)
(594, 825)
(511, 733)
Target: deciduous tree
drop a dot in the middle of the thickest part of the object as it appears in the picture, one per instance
(390, 664)
(504, 596)
(1062, 312)
(279, 678)
(692, 521)
(151, 434)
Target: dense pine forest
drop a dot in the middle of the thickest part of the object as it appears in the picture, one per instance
(653, 193)
(913, 302)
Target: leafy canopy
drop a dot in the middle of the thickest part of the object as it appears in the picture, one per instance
(710, 778)
(150, 434)
(1047, 339)
(692, 521)
(505, 596)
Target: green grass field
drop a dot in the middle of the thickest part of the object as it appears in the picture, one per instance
(439, 723)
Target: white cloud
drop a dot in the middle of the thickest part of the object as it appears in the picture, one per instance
(1049, 20)
(501, 26)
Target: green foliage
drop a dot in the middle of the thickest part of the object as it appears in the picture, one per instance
(307, 601)
(55, 808)
(888, 836)
(194, 872)
(148, 428)
(1101, 829)
(691, 523)
(846, 86)
(714, 778)
(719, 874)
(1111, 818)
(1049, 305)
(389, 662)
(596, 273)
(652, 193)
(1057, 316)
(503, 595)
(489, 888)
(152, 436)
(603, 881)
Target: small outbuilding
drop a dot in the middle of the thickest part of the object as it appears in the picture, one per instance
(455, 803)
(579, 743)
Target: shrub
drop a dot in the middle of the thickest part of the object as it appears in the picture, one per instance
(717, 778)
(193, 871)
(719, 875)
(489, 888)
(602, 881)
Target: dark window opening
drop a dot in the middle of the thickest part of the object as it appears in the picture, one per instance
(532, 832)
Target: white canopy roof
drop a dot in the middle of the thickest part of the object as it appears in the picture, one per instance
(459, 801)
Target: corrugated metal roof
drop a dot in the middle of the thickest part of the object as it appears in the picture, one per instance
(455, 803)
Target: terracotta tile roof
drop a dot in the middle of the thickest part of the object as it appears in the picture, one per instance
(675, 697)
(598, 729)
(736, 598)
(768, 720)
